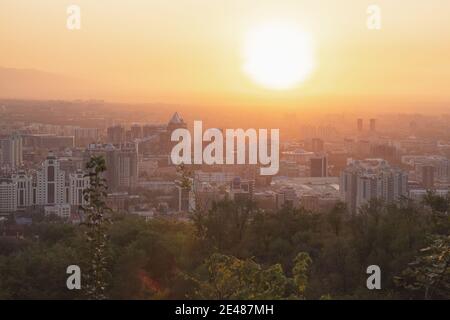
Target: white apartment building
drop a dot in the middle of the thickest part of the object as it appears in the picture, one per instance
(51, 182)
(8, 196)
(11, 155)
(25, 190)
(61, 210)
(78, 182)
(48, 187)
(370, 179)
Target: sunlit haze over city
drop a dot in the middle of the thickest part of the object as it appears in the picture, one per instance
(246, 151)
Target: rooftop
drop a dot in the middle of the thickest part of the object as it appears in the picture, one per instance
(176, 119)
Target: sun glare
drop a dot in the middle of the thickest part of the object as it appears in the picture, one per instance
(278, 56)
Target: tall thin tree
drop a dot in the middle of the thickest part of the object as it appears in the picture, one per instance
(96, 220)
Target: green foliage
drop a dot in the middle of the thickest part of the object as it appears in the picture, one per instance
(429, 273)
(148, 257)
(225, 225)
(437, 203)
(232, 278)
(300, 271)
(37, 272)
(97, 274)
(235, 251)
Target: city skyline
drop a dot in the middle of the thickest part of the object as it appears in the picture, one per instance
(241, 150)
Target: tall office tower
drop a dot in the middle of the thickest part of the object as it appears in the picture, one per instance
(359, 125)
(50, 183)
(337, 161)
(78, 182)
(84, 136)
(136, 131)
(111, 156)
(176, 122)
(373, 123)
(384, 151)
(8, 196)
(12, 154)
(428, 176)
(24, 189)
(121, 164)
(116, 134)
(370, 179)
(318, 166)
(316, 145)
(128, 166)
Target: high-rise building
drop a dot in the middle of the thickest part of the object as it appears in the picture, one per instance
(428, 176)
(176, 122)
(128, 166)
(51, 183)
(370, 179)
(359, 125)
(319, 166)
(136, 131)
(78, 182)
(25, 190)
(49, 188)
(11, 151)
(85, 136)
(8, 196)
(384, 151)
(116, 134)
(373, 123)
(121, 164)
(337, 161)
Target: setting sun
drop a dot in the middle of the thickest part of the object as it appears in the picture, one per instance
(278, 55)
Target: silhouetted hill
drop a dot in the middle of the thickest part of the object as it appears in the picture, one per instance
(36, 84)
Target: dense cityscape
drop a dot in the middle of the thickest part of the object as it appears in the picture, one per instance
(239, 158)
(328, 170)
(42, 165)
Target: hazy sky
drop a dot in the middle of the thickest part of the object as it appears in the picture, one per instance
(190, 51)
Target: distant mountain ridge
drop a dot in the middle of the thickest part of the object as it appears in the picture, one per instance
(37, 84)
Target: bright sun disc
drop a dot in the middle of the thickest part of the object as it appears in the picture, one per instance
(278, 55)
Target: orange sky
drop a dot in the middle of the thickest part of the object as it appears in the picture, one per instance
(189, 51)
